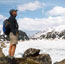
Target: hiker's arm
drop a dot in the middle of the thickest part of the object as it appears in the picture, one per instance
(17, 26)
(12, 26)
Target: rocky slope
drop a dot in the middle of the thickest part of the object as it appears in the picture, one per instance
(22, 36)
(30, 56)
(61, 62)
(49, 34)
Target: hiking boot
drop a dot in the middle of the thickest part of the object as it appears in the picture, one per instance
(11, 61)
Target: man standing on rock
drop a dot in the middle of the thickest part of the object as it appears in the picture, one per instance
(13, 33)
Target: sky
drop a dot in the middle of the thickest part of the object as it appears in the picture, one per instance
(34, 15)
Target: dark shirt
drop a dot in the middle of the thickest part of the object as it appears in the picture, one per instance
(13, 24)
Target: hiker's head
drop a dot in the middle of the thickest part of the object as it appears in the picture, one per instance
(13, 12)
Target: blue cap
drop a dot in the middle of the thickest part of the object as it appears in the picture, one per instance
(12, 10)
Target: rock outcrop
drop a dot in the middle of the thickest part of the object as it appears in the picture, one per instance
(1, 53)
(49, 34)
(30, 56)
(31, 52)
(23, 35)
(34, 54)
(2, 45)
(61, 62)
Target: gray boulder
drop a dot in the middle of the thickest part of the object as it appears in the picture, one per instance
(61, 62)
(34, 55)
(43, 58)
(31, 52)
(1, 53)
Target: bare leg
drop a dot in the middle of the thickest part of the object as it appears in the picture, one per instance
(13, 49)
(10, 49)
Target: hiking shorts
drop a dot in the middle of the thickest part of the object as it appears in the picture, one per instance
(13, 38)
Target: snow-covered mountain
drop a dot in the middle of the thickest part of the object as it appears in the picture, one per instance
(58, 32)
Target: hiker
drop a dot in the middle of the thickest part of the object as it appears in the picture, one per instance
(13, 33)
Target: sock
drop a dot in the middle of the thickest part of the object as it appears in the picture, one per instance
(11, 57)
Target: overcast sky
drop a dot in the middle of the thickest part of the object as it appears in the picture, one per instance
(35, 15)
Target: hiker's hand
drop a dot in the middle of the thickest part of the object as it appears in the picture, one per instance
(17, 33)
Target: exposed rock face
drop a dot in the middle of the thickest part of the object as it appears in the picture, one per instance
(61, 62)
(51, 35)
(62, 33)
(48, 35)
(31, 52)
(20, 61)
(2, 45)
(34, 54)
(1, 53)
(23, 35)
(43, 58)
(32, 57)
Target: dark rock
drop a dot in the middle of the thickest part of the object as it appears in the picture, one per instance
(52, 35)
(1, 53)
(48, 35)
(61, 62)
(63, 37)
(34, 54)
(23, 35)
(62, 33)
(31, 52)
(43, 36)
(3, 45)
(32, 58)
(20, 61)
(25, 61)
(43, 58)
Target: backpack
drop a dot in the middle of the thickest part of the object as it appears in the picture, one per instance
(6, 27)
